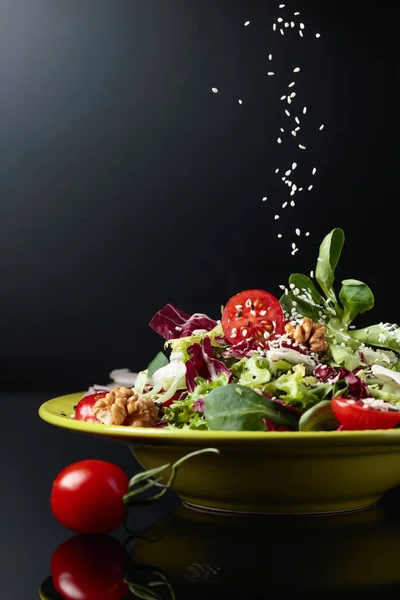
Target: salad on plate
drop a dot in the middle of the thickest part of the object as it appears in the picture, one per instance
(291, 364)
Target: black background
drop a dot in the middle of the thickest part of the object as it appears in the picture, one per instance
(125, 183)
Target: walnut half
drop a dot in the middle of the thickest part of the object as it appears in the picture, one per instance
(308, 331)
(124, 406)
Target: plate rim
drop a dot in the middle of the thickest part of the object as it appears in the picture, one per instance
(146, 434)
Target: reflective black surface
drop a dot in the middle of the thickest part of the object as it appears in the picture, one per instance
(171, 550)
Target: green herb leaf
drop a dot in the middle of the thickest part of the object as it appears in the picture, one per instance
(319, 418)
(158, 361)
(356, 298)
(381, 335)
(329, 254)
(309, 304)
(235, 407)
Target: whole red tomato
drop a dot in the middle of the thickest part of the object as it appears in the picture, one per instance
(89, 568)
(87, 496)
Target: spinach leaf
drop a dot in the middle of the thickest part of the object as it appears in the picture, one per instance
(158, 361)
(319, 418)
(235, 407)
(381, 335)
(329, 254)
(356, 298)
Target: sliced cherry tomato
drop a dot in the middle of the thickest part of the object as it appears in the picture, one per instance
(84, 408)
(87, 496)
(252, 314)
(89, 568)
(355, 415)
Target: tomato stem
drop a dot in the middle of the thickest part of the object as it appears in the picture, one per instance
(130, 497)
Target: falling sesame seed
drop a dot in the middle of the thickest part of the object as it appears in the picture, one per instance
(284, 205)
(279, 236)
(277, 170)
(292, 84)
(311, 274)
(297, 120)
(296, 14)
(292, 95)
(300, 189)
(247, 23)
(292, 286)
(281, 287)
(314, 171)
(292, 203)
(283, 97)
(294, 165)
(292, 193)
(270, 57)
(310, 187)
(289, 100)
(291, 23)
(297, 128)
(317, 35)
(287, 112)
(264, 199)
(283, 178)
(293, 246)
(282, 32)
(270, 73)
(297, 231)
(215, 90)
(288, 173)
(244, 332)
(240, 101)
(321, 127)
(279, 19)
(294, 187)
(302, 147)
(281, 6)
(300, 33)
(276, 217)
(304, 110)
(307, 233)
(283, 131)
(286, 24)
(274, 26)
(294, 133)
(296, 70)
(301, 25)
(279, 141)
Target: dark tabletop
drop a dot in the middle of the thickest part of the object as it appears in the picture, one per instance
(189, 554)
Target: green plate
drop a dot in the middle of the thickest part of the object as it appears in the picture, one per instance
(257, 472)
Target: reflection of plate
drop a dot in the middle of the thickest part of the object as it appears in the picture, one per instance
(203, 554)
(275, 472)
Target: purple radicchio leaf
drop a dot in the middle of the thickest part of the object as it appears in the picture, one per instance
(243, 348)
(203, 364)
(198, 405)
(171, 322)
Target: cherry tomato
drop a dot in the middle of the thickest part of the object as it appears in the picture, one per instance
(89, 568)
(252, 314)
(87, 496)
(357, 416)
(84, 408)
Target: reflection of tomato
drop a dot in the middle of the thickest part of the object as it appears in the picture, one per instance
(87, 496)
(89, 568)
(252, 314)
(355, 415)
(84, 408)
